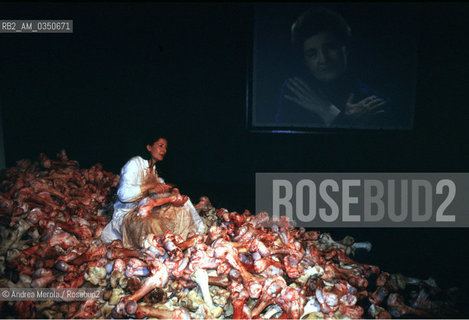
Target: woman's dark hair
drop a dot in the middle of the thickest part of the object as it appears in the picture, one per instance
(150, 139)
(317, 20)
(153, 138)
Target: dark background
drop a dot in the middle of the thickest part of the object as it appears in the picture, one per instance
(181, 69)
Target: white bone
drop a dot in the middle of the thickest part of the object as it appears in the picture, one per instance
(362, 245)
(200, 276)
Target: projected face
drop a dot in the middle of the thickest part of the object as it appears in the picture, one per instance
(325, 56)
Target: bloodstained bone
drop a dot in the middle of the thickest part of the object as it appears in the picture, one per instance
(52, 214)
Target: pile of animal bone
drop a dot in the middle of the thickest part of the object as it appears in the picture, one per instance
(246, 267)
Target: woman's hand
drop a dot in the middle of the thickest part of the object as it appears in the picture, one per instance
(178, 200)
(309, 99)
(364, 106)
(156, 187)
(161, 188)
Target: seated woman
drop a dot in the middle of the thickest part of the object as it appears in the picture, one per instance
(147, 205)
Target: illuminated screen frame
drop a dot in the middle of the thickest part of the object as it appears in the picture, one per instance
(383, 52)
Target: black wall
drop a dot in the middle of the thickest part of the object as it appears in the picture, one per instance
(181, 68)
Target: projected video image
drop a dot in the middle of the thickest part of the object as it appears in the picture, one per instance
(333, 66)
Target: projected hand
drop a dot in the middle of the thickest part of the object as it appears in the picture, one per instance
(363, 107)
(309, 99)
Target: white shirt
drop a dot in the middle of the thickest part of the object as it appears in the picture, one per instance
(133, 175)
